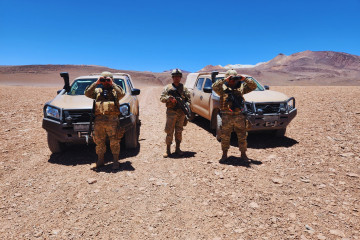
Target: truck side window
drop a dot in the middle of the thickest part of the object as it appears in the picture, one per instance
(208, 83)
(200, 83)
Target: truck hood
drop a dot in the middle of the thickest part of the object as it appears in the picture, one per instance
(72, 102)
(265, 96)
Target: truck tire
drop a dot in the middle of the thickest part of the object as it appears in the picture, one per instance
(280, 132)
(218, 127)
(54, 145)
(132, 136)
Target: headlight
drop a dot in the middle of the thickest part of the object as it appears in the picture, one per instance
(124, 109)
(291, 104)
(52, 112)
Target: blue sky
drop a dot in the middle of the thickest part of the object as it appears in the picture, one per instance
(161, 35)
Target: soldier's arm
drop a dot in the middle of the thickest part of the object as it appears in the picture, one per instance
(249, 85)
(187, 95)
(120, 93)
(90, 91)
(217, 86)
(164, 95)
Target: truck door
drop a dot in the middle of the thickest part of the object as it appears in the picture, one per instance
(204, 101)
(196, 95)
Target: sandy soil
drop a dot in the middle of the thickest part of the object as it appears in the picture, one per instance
(302, 186)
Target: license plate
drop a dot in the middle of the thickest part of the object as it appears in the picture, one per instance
(271, 118)
(271, 124)
(81, 127)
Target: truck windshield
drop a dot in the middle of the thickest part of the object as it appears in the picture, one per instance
(78, 87)
(258, 88)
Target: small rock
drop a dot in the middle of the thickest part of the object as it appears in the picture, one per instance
(309, 229)
(292, 216)
(337, 233)
(38, 234)
(18, 194)
(321, 186)
(321, 237)
(55, 232)
(352, 175)
(91, 180)
(239, 230)
(277, 180)
(349, 154)
(254, 205)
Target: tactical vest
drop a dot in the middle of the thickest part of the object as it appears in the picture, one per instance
(106, 106)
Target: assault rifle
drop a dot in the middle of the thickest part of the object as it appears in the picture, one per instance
(236, 102)
(181, 103)
(92, 115)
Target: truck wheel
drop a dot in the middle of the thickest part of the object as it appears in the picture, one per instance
(280, 132)
(218, 127)
(54, 145)
(132, 136)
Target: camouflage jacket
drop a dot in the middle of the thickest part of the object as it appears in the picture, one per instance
(105, 106)
(221, 88)
(165, 95)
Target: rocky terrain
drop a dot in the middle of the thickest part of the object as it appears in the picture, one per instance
(303, 186)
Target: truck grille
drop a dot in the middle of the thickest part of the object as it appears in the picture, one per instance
(269, 108)
(77, 116)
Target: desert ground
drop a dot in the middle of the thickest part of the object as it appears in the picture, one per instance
(302, 186)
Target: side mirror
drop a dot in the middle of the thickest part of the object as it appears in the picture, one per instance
(135, 91)
(207, 89)
(266, 87)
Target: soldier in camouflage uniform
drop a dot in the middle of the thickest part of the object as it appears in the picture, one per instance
(231, 114)
(175, 117)
(107, 95)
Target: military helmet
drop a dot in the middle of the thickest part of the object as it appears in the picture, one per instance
(231, 72)
(107, 74)
(176, 72)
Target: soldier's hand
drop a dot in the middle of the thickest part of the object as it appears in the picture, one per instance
(172, 99)
(98, 90)
(227, 79)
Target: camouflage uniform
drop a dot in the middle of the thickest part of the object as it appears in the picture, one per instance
(175, 117)
(233, 120)
(106, 120)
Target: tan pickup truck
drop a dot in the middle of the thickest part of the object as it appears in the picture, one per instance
(266, 110)
(67, 116)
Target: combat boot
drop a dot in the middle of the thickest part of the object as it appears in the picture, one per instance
(167, 153)
(99, 163)
(244, 156)
(116, 164)
(224, 156)
(178, 151)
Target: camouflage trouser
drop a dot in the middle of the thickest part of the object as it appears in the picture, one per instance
(106, 126)
(174, 121)
(231, 123)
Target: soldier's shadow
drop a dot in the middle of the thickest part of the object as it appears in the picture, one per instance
(83, 155)
(263, 140)
(186, 154)
(237, 161)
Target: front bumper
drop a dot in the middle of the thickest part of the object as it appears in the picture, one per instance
(65, 133)
(270, 121)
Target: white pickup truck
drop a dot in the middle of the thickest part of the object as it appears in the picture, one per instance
(266, 110)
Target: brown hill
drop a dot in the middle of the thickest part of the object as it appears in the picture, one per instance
(48, 75)
(306, 68)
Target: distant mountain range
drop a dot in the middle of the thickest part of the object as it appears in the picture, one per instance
(303, 68)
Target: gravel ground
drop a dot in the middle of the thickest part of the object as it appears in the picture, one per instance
(302, 186)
